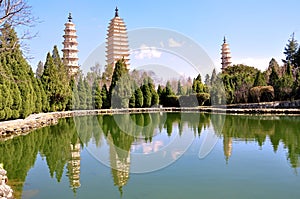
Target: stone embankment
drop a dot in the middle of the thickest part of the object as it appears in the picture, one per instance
(10, 129)
(5, 191)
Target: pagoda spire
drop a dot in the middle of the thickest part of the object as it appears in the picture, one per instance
(116, 12)
(226, 55)
(70, 17)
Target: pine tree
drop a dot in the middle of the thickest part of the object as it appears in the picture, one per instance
(273, 78)
(207, 80)
(82, 94)
(132, 101)
(139, 99)
(213, 76)
(45, 101)
(198, 86)
(89, 95)
(259, 80)
(179, 88)
(120, 89)
(168, 89)
(146, 95)
(290, 50)
(97, 98)
(17, 101)
(39, 70)
(38, 97)
(56, 82)
(17, 70)
(155, 97)
(159, 90)
(105, 98)
(75, 98)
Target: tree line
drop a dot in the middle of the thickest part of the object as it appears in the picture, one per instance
(51, 88)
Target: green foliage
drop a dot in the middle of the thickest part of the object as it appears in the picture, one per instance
(56, 82)
(120, 89)
(39, 70)
(105, 97)
(132, 101)
(237, 81)
(16, 78)
(296, 86)
(198, 86)
(139, 99)
(262, 94)
(203, 98)
(147, 96)
(97, 97)
(82, 94)
(89, 95)
(259, 80)
(290, 50)
(179, 88)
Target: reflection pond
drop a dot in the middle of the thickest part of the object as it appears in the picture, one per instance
(102, 157)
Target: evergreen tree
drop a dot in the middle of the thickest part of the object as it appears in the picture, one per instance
(296, 86)
(17, 71)
(75, 98)
(5, 102)
(155, 97)
(97, 98)
(207, 80)
(290, 50)
(132, 101)
(139, 99)
(44, 98)
(56, 82)
(107, 74)
(179, 88)
(39, 70)
(120, 89)
(259, 80)
(159, 90)
(82, 94)
(146, 95)
(105, 98)
(168, 89)
(89, 95)
(213, 76)
(273, 78)
(198, 86)
(38, 97)
(17, 101)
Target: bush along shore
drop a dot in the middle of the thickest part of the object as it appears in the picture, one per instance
(10, 129)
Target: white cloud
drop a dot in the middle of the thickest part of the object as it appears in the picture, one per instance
(147, 52)
(173, 43)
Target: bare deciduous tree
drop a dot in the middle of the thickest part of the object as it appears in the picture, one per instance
(17, 13)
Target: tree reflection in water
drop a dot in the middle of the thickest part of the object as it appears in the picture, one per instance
(60, 145)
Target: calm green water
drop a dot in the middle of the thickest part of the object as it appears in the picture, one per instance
(160, 155)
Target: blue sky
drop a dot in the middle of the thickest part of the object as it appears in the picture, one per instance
(256, 30)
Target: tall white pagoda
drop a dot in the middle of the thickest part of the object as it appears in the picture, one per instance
(117, 41)
(226, 55)
(70, 51)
